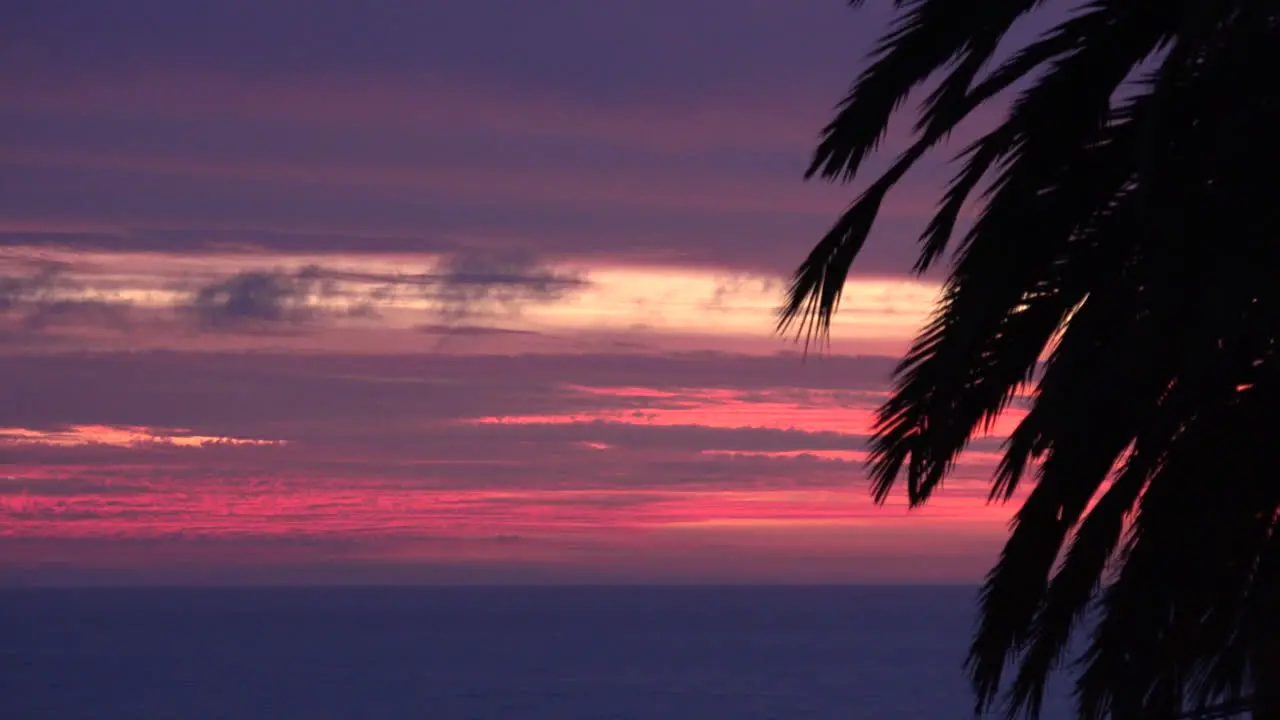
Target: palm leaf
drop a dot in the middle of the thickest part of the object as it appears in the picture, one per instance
(1134, 243)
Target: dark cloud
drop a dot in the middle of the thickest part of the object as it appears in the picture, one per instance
(42, 279)
(261, 299)
(92, 313)
(463, 286)
(473, 283)
(38, 295)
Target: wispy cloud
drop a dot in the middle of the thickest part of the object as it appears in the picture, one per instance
(120, 436)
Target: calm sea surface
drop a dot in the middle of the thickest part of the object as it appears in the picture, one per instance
(521, 653)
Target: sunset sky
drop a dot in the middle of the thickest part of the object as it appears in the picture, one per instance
(484, 291)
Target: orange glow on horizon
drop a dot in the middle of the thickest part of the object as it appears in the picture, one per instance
(273, 510)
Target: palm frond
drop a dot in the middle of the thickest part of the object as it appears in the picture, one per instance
(1134, 243)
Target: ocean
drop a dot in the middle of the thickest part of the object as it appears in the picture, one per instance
(525, 653)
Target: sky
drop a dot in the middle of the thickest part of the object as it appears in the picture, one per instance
(369, 291)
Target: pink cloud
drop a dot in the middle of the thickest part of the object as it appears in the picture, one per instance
(122, 436)
(816, 412)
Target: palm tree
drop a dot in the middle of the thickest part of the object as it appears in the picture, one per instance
(1124, 269)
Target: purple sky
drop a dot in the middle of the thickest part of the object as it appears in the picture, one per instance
(458, 291)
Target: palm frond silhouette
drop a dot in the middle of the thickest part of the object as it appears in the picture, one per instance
(1124, 268)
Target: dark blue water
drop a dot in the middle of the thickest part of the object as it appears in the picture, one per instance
(521, 653)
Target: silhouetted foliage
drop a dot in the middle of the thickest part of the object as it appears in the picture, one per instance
(1125, 269)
